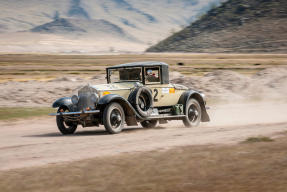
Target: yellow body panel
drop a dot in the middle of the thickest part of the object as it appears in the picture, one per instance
(163, 94)
(166, 94)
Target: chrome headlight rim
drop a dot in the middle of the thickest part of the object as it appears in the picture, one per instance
(95, 98)
(75, 99)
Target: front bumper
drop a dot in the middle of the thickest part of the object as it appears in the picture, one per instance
(75, 113)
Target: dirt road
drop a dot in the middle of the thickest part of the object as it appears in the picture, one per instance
(36, 142)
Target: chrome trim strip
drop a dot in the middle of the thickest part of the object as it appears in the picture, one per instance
(102, 90)
(75, 113)
(166, 117)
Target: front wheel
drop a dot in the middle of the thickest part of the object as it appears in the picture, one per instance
(148, 123)
(65, 127)
(114, 118)
(192, 113)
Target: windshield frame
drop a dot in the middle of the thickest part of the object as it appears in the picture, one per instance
(120, 68)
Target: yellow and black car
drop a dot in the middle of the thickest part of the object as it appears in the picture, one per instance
(135, 93)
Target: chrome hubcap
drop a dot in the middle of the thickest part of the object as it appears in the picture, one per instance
(193, 113)
(115, 118)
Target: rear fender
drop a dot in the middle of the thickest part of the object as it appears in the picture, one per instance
(184, 98)
(130, 112)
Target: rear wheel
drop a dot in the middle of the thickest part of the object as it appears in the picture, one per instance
(114, 118)
(149, 123)
(65, 127)
(192, 113)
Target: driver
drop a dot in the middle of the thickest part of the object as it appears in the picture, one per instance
(151, 76)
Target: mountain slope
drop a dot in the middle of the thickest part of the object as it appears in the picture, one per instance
(235, 26)
(58, 26)
(142, 22)
(93, 25)
(97, 27)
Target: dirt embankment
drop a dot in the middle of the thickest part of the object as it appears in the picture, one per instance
(42, 93)
(228, 86)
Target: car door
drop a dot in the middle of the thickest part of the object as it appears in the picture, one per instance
(162, 94)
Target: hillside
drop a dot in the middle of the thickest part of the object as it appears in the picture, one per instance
(235, 26)
(97, 27)
(93, 25)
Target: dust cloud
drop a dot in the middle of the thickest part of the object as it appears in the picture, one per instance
(237, 99)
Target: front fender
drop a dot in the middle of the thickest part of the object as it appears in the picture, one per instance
(109, 98)
(128, 108)
(64, 101)
(184, 98)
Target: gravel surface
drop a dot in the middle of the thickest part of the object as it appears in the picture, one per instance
(36, 142)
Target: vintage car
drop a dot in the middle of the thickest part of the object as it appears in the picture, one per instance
(135, 93)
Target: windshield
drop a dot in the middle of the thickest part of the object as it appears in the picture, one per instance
(125, 74)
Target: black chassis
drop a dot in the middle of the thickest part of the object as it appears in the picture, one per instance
(94, 116)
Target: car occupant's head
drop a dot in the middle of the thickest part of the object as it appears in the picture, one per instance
(149, 72)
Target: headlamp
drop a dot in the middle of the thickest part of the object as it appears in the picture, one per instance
(94, 98)
(75, 99)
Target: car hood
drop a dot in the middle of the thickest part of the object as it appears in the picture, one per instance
(116, 86)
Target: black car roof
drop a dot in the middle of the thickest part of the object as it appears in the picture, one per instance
(139, 64)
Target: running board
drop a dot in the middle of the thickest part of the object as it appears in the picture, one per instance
(75, 113)
(166, 117)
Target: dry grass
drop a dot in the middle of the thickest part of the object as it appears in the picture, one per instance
(253, 167)
(12, 113)
(45, 67)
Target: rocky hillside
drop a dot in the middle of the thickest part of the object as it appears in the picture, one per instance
(234, 26)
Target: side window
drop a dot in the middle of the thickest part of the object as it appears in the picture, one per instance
(152, 75)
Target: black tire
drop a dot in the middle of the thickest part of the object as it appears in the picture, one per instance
(141, 100)
(149, 124)
(193, 113)
(66, 128)
(114, 118)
